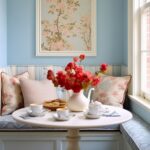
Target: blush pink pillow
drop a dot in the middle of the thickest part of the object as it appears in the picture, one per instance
(111, 90)
(37, 91)
(12, 98)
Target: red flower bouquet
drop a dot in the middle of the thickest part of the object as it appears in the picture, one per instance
(74, 77)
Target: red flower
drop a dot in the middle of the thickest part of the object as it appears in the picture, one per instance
(77, 87)
(78, 69)
(79, 75)
(68, 84)
(55, 82)
(75, 59)
(74, 77)
(95, 81)
(70, 66)
(50, 75)
(103, 67)
(61, 77)
(82, 57)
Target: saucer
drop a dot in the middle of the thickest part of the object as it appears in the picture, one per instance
(112, 113)
(90, 116)
(31, 114)
(60, 119)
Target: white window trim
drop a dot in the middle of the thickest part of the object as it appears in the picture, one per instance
(133, 27)
(133, 37)
(144, 94)
(141, 101)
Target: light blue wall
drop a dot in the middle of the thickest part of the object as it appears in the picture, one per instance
(21, 34)
(3, 33)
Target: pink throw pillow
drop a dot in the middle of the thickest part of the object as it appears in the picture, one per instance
(37, 91)
(111, 90)
(12, 98)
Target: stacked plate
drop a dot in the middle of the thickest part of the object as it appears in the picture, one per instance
(53, 105)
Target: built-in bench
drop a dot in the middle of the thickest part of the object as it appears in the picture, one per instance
(135, 132)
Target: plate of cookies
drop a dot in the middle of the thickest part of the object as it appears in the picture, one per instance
(54, 104)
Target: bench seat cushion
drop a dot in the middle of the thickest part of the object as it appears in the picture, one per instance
(137, 133)
(7, 123)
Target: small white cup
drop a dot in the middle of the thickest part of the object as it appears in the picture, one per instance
(36, 109)
(94, 108)
(62, 113)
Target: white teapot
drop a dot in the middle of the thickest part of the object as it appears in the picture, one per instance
(94, 108)
(89, 94)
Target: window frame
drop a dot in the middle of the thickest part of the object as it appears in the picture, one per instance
(144, 94)
(134, 45)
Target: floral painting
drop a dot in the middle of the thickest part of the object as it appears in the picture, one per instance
(66, 27)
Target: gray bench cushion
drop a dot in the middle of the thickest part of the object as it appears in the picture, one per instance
(137, 133)
(7, 123)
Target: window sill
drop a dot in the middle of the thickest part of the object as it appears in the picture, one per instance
(141, 101)
(140, 106)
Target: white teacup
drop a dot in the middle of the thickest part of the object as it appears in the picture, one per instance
(36, 109)
(94, 108)
(62, 113)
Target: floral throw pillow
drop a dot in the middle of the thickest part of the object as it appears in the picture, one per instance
(111, 90)
(12, 98)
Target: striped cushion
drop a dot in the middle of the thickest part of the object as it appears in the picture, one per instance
(39, 72)
(137, 133)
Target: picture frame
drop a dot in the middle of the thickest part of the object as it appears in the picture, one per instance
(65, 27)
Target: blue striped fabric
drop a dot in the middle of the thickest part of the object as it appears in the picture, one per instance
(41, 71)
(137, 133)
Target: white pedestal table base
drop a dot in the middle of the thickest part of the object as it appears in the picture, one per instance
(73, 139)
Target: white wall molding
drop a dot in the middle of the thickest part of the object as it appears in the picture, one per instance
(57, 141)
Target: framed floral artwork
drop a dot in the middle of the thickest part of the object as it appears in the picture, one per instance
(65, 27)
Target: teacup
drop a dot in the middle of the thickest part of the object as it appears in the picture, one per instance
(94, 108)
(36, 109)
(62, 113)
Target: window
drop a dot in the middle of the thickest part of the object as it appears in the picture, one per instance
(145, 48)
(140, 47)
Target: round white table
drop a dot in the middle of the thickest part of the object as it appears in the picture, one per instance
(76, 122)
